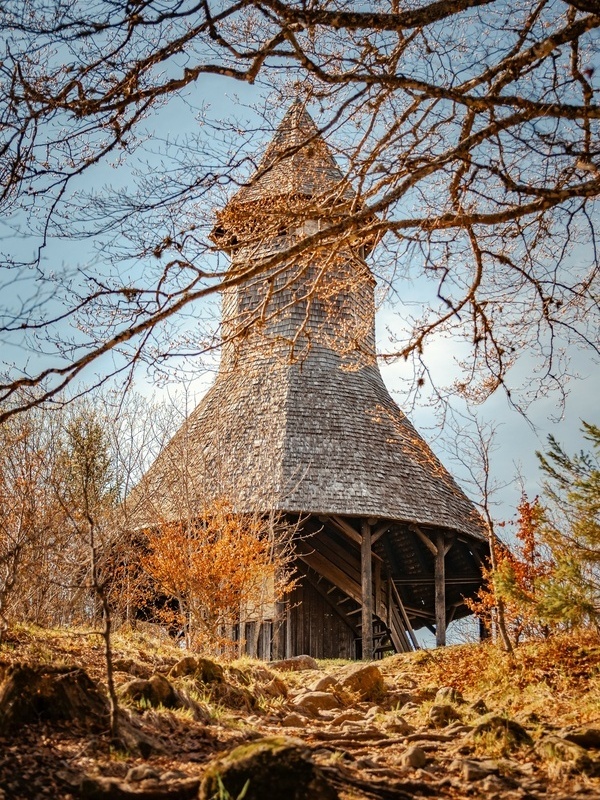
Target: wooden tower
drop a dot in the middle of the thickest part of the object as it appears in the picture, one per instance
(300, 421)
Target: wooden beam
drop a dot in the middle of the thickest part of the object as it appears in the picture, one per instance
(278, 640)
(453, 609)
(440, 592)
(379, 607)
(346, 528)
(408, 626)
(324, 567)
(366, 574)
(425, 539)
(398, 632)
(419, 612)
(379, 531)
(242, 639)
(278, 628)
(288, 631)
(449, 544)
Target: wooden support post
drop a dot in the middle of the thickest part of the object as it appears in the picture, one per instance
(378, 607)
(288, 631)
(367, 592)
(279, 631)
(242, 639)
(440, 592)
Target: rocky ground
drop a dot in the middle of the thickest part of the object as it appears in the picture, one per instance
(465, 722)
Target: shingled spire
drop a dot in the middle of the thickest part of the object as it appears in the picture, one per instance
(297, 163)
(300, 421)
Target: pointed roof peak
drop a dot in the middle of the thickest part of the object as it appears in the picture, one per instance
(296, 126)
(297, 162)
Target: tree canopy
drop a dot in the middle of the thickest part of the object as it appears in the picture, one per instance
(469, 129)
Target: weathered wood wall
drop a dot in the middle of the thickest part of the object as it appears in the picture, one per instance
(316, 627)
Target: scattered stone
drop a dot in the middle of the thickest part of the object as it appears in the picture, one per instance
(293, 721)
(448, 694)
(163, 692)
(398, 724)
(233, 673)
(173, 775)
(142, 772)
(295, 664)
(398, 699)
(203, 669)
(560, 749)
(426, 736)
(261, 674)
(350, 735)
(347, 716)
(324, 684)
(99, 788)
(584, 737)
(441, 715)
(132, 667)
(275, 688)
(513, 733)
(135, 739)
(524, 769)
(34, 693)
(415, 758)
(492, 785)
(156, 692)
(474, 771)
(235, 697)
(186, 666)
(364, 680)
(479, 706)
(313, 702)
(409, 707)
(275, 768)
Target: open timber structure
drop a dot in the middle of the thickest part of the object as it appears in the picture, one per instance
(299, 421)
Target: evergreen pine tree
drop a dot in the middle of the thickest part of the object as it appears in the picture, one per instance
(571, 594)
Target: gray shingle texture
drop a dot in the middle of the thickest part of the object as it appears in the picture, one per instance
(299, 419)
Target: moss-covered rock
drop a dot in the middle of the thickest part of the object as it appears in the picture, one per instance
(559, 749)
(295, 664)
(313, 702)
(236, 697)
(202, 669)
(157, 691)
(441, 714)
(504, 728)
(365, 680)
(33, 693)
(277, 768)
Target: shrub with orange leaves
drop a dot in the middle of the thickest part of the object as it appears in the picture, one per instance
(519, 578)
(218, 569)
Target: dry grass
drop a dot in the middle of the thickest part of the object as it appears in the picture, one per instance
(553, 680)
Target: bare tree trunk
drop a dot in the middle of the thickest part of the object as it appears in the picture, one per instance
(110, 679)
(506, 642)
(99, 590)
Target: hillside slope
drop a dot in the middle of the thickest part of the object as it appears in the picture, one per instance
(464, 722)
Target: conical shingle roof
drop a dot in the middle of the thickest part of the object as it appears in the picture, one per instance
(308, 438)
(297, 163)
(316, 434)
